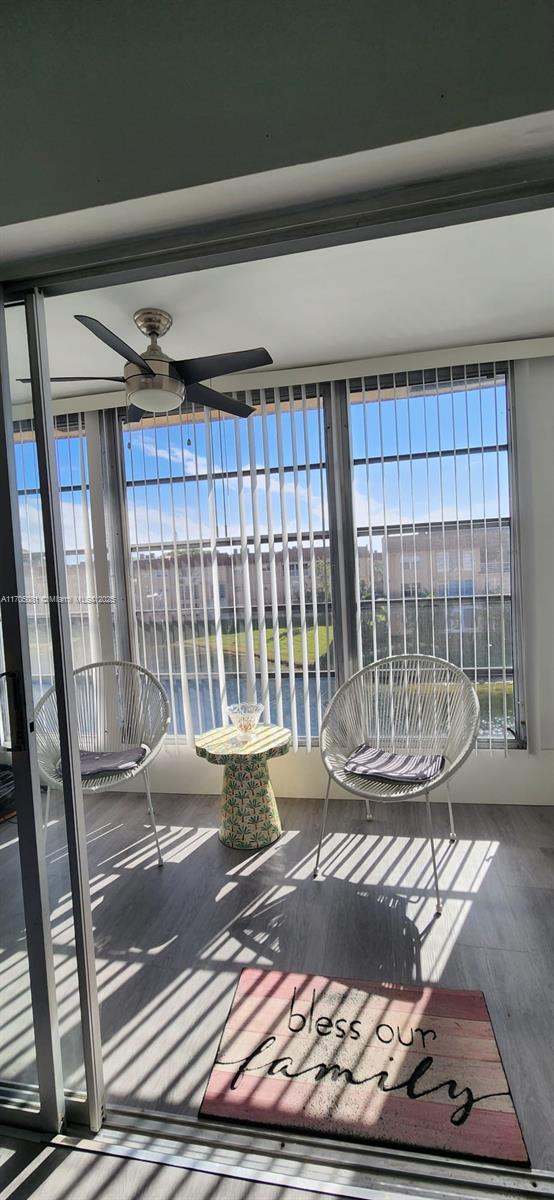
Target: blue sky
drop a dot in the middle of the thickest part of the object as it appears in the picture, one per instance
(473, 485)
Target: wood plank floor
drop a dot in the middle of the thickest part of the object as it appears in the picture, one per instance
(171, 942)
(45, 1173)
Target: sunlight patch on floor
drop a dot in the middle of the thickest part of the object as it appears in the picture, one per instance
(260, 857)
(178, 853)
(225, 890)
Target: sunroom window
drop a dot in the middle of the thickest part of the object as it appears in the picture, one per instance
(229, 541)
(72, 466)
(431, 496)
(229, 531)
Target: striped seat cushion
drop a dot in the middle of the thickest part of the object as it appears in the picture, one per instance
(403, 768)
(108, 762)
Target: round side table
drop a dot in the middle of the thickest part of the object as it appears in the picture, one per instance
(249, 814)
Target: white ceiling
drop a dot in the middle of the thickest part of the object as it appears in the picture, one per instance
(482, 282)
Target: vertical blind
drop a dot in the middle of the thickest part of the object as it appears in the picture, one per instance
(229, 532)
(229, 537)
(70, 443)
(432, 509)
(228, 528)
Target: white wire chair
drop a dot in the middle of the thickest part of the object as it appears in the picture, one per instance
(119, 706)
(405, 704)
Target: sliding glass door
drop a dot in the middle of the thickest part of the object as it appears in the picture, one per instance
(50, 1055)
(31, 1085)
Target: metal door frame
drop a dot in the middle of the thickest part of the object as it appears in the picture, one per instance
(52, 1106)
(60, 629)
(22, 1107)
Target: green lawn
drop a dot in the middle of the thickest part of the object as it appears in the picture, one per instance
(231, 643)
(495, 689)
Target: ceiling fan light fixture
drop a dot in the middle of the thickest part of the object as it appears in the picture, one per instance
(158, 393)
(156, 399)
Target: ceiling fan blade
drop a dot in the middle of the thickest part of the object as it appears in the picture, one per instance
(198, 393)
(82, 379)
(192, 370)
(114, 342)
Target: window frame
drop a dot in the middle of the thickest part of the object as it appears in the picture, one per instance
(342, 531)
(315, 462)
(451, 375)
(516, 581)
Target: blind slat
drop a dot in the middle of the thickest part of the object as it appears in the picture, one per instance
(272, 567)
(259, 576)
(212, 522)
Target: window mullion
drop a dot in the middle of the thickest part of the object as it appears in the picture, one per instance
(342, 532)
(516, 582)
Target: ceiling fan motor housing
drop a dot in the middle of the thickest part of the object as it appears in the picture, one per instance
(161, 392)
(165, 390)
(154, 322)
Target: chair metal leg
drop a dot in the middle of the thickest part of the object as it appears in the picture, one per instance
(152, 817)
(435, 872)
(322, 830)
(368, 810)
(450, 814)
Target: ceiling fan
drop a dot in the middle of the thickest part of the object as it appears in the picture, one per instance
(156, 383)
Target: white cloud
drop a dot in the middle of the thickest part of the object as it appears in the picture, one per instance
(182, 457)
(375, 510)
(30, 520)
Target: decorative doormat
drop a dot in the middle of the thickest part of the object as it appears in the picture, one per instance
(407, 1066)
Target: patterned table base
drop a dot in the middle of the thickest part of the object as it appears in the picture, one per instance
(249, 814)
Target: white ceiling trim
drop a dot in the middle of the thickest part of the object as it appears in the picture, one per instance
(515, 350)
(455, 356)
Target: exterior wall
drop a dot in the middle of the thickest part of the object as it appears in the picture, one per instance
(472, 560)
(456, 563)
(151, 576)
